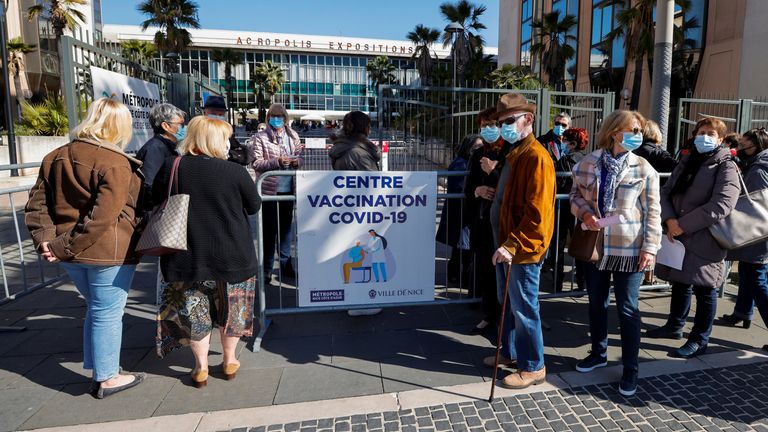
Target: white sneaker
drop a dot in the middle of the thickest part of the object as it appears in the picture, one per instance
(363, 312)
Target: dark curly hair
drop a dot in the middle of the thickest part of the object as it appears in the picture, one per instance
(578, 136)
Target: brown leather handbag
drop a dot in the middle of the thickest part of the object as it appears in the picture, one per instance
(585, 244)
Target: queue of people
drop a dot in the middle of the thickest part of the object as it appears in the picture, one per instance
(90, 220)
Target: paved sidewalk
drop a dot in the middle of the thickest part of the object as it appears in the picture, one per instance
(723, 399)
(312, 358)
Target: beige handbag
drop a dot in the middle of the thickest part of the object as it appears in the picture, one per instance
(747, 223)
(166, 232)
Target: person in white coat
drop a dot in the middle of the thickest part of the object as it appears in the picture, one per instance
(376, 246)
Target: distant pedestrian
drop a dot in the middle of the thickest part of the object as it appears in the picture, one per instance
(168, 124)
(278, 147)
(613, 181)
(213, 282)
(353, 151)
(653, 151)
(82, 211)
(753, 259)
(553, 139)
(215, 107)
(702, 190)
(453, 229)
(485, 166)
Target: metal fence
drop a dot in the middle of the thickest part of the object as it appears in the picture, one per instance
(429, 122)
(738, 115)
(23, 271)
(281, 297)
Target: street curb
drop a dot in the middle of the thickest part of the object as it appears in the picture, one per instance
(280, 414)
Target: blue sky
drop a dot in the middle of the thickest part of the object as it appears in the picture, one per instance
(388, 19)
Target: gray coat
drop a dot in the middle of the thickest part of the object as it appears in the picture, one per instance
(355, 153)
(710, 198)
(755, 178)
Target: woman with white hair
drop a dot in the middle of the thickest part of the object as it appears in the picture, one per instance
(82, 211)
(213, 282)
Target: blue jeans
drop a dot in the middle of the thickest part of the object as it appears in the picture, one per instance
(745, 303)
(754, 279)
(626, 289)
(521, 336)
(105, 289)
(706, 308)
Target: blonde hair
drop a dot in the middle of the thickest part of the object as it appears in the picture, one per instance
(616, 121)
(207, 136)
(652, 132)
(107, 121)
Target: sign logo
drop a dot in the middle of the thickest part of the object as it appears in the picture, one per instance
(326, 296)
(372, 294)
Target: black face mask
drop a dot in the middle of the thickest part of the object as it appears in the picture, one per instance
(742, 155)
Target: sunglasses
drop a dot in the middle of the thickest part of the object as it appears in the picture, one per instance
(634, 130)
(561, 124)
(510, 121)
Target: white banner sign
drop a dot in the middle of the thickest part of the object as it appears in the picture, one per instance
(315, 143)
(365, 237)
(138, 95)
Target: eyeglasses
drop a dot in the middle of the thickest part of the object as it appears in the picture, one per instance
(565, 125)
(510, 121)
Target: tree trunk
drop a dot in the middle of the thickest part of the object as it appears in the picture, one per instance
(636, 84)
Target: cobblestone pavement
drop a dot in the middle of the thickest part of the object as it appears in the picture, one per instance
(728, 399)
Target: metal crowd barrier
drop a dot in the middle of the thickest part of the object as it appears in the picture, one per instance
(279, 297)
(23, 270)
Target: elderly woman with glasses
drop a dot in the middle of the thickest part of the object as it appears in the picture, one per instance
(753, 260)
(614, 182)
(702, 190)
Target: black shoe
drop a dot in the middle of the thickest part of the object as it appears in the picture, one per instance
(765, 347)
(733, 320)
(628, 383)
(689, 350)
(287, 271)
(102, 392)
(592, 362)
(664, 332)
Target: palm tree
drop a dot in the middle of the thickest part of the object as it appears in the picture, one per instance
(173, 17)
(60, 13)
(268, 80)
(16, 65)
(468, 41)
(139, 51)
(479, 66)
(635, 25)
(554, 44)
(381, 71)
(515, 77)
(423, 37)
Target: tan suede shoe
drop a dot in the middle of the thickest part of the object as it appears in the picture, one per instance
(524, 379)
(503, 361)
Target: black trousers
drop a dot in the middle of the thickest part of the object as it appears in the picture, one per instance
(274, 214)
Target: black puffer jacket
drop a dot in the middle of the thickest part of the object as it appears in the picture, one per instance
(354, 153)
(659, 158)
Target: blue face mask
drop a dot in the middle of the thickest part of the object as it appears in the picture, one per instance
(705, 143)
(276, 122)
(510, 133)
(631, 141)
(181, 133)
(564, 150)
(490, 134)
(558, 130)
(217, 117)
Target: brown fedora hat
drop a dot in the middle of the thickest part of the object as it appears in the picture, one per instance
(513, 102)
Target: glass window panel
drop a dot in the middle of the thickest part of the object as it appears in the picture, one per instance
(258, 57)
(303, 59)
(337, 60)
(526, 36)
(312, 88)
(302, 87)
(596, 58)
(312, 59)
(617, 54)
(607, 17)
(345, 61)
(321, 60)
(597, 19)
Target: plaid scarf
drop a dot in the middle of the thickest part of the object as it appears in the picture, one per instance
(613, 167)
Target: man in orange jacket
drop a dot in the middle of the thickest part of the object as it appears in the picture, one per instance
(522, 216)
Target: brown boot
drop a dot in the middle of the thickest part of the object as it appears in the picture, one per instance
(524, 379)
(490, 361)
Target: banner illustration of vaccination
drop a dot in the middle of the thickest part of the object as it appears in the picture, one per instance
(365, 237)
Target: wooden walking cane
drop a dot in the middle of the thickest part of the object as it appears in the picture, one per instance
(501, 330)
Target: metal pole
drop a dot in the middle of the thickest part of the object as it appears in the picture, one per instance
(7, 91)
(662, 70)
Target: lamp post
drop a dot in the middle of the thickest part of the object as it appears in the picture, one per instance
(230, 95)
(454, 29)
(7, 90)
(662, 69)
